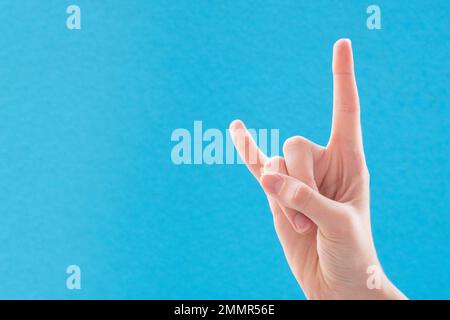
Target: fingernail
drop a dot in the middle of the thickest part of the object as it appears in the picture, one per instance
(344, 40)
(301, 223)
(272, 183)
(236, 125)
(268, 166)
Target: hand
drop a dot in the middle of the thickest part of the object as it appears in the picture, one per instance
(320, 200)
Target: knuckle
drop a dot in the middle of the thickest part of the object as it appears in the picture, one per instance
(274, 164)
(347, 219)
(302, 196)
(293, 143)
(347, 107)
(347, 222)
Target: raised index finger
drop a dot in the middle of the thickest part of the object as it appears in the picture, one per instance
(346, 113)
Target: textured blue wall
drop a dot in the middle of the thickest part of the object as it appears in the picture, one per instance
(86, 117)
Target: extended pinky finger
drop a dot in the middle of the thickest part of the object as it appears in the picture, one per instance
(247, 148)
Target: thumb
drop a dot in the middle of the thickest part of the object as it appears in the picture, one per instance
(294, 194)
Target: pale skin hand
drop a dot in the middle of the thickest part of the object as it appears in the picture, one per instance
(320, 199)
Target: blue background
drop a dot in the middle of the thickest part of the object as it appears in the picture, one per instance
(86, 117)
